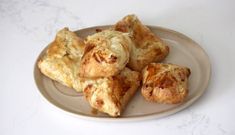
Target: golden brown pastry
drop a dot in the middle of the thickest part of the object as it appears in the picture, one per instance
(62, 59)
(106, 54)
(147, 48)
(111, 94)
(165, 83)
(107, 94)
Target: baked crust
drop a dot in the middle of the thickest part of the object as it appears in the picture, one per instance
(62, 59)
(111, 94)
(165, 83)
(106, 54)
(147, 48)
(107, 94)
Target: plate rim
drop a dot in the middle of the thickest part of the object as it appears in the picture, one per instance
(179, 108)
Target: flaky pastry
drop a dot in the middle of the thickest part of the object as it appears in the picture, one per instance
(165, 83)
(147, 48)
(106, 54)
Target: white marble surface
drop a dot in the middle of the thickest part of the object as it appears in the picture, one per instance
(26, 26)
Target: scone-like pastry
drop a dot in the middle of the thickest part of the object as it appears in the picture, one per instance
(165, 83)
(110, 95)
(147, 48)
(62, 59)
(106, 54)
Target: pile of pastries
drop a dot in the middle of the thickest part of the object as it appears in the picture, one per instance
(110, 65)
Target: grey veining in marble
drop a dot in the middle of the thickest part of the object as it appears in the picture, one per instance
(38, 19)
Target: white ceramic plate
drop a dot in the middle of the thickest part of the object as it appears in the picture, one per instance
(183, 51)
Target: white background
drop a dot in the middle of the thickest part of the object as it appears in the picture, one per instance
(27, 26)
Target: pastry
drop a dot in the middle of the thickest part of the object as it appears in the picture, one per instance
(62, 59)
(165, 83)
(106, 54)
(147, 48)
(102, 66)
(107, 94)
(111, 94)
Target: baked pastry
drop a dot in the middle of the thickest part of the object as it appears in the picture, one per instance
(147, 48)
(111, 94)
(165, 83)
(107, 94)
(106, 54)
(62, 59)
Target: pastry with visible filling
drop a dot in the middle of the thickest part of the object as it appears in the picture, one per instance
(165, 83)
